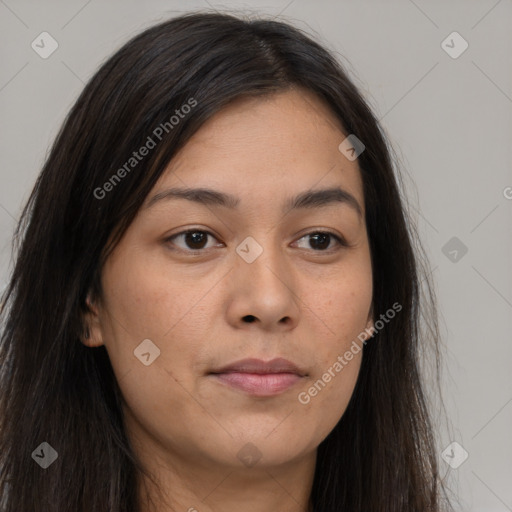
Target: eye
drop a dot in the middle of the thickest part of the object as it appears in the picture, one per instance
(320, 241)
(194, 239)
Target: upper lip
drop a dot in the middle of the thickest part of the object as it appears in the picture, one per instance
(251, 365)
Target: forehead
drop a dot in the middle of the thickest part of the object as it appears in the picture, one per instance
(267, 146)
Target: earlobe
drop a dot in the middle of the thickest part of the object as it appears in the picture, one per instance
(91, 336)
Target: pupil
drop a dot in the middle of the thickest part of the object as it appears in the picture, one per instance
(195, 238)
(324, 237)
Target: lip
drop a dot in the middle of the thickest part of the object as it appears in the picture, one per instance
(260, 378)
(258, 366)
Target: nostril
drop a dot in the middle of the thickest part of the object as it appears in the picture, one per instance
(249, 318)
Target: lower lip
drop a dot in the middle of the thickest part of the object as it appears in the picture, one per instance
(256, 384)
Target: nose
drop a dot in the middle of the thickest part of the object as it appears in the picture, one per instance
(264, 292)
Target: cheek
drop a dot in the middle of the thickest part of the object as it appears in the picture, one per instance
(146, 305)
(325, 396)
(329, 396)
(341, 314)
(343, 306)
(142, 303)
(146, 299)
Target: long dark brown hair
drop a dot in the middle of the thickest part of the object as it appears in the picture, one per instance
(381, 456)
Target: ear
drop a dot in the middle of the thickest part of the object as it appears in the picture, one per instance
(92, 336)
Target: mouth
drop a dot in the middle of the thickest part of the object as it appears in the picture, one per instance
(260, 378)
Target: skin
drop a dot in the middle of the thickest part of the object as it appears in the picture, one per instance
(308, 305)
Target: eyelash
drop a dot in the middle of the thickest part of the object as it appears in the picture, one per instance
(340, 240)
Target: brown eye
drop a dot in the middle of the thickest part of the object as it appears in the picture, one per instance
(193, 239)
(196, 240)
(321, 240)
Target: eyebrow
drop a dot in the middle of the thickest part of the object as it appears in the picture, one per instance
(307, 199)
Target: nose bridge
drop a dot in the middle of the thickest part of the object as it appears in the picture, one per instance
(261, 254)
(262, 270)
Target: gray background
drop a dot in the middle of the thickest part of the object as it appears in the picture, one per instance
(450, 120)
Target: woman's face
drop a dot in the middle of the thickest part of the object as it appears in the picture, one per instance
(256, 280)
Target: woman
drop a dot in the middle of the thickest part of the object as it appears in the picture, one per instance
(216, 300)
